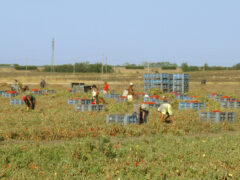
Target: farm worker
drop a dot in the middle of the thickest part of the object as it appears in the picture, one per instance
(30, 101)
(95, 96)
(42, 83)
(106, 86)
(130, 92)
(165, 110)
(141, 111)
(14, 86)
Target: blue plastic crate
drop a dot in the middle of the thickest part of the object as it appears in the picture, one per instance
(111, 96)
(90, 107)
(221, 99)
(50, 91)
(184, 97)
(79, 101)
(121, 99)
(180, 76)
(2, 92)
(217, 117)
(9, 95)
(190, 105)
(230, 104)
(16, 102)
(37, 92)
(122, 119)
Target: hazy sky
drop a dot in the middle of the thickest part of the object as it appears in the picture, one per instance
(193, 31)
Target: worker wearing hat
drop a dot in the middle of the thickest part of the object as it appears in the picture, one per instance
(30, 101)
(130, 92)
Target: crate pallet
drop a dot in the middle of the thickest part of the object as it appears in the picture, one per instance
(90, 107)
(191, 105)
(50, 91)
(108, 96)
(79, 101)
(230, 104)
(122, 119)
(10, 94)
(16, 102)
(122, 99)
(167, 82)
(217, 116)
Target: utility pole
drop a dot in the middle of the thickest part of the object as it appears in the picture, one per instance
(106, 64)
(26, 65)
(74, 68)
(148, 67)
(102, 64)
(52, 60)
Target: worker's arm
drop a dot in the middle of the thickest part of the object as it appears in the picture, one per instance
(30, 101)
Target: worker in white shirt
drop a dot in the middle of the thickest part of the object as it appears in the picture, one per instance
(165, 112)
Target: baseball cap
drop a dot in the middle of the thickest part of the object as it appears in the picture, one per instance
(131, 84)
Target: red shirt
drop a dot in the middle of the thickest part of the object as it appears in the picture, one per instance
(106, 87)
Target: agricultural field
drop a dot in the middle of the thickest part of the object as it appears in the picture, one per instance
(57, 142)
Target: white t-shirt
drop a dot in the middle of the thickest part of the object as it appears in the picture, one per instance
(165, 107)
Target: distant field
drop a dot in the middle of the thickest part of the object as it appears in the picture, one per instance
(56, 142)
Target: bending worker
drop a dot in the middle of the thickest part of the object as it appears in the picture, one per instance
(130, 92)
(30, 101)
(165, 112)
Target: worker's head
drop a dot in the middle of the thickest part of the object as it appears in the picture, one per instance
(94, 86)
(24, 98)
(131, 84)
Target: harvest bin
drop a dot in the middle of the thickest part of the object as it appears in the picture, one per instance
(217, 116)
(108, 96)
(230, 104)
(16, 102)
(122, 119)
(79, 101)
(10, 94)
(191, 105)
(90, 107)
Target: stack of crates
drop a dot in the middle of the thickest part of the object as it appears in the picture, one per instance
(122, 119)
(180, 83)
(16, 102)
(167, 82)
(10, 94)
(36, 91)
(122, 99)
(90, 107)
(217, 116)
(230, 104)
(114, 96)
(79, 101)
(191, 105)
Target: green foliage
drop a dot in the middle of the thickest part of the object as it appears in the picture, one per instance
(18, 67)
(80, 67)
(133, 66)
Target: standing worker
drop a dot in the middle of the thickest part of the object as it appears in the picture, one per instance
(30, 101)
(105, 90)
(165, 111)
(42, 83)
(141, 111)
(130, 92)
(95, 96)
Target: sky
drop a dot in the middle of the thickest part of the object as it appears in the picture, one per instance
(196, 32)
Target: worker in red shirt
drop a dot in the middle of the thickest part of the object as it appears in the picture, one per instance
(105, 90)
